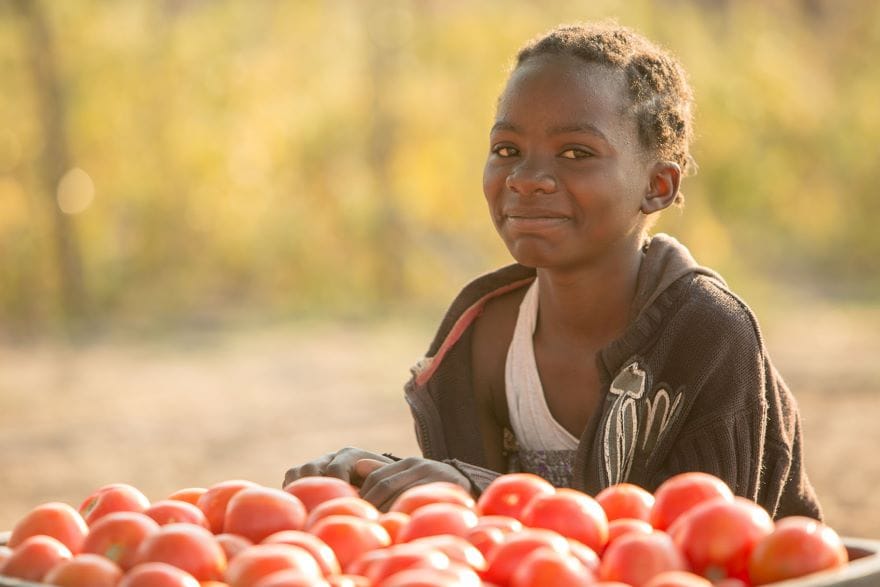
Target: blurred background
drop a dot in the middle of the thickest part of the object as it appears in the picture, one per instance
(227, 229)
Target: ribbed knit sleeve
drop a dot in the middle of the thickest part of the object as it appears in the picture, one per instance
(740, 422)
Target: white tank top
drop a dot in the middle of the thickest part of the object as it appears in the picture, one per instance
(533, 424)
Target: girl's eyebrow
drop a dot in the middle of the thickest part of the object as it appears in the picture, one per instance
(583, 127)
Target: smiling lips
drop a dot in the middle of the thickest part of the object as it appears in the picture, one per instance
(533, 218)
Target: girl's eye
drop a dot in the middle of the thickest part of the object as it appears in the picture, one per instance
(505, 151)
(575, 154)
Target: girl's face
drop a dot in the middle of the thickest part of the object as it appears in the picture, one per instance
(566, 176)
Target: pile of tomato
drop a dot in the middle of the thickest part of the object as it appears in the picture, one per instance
(317, 532)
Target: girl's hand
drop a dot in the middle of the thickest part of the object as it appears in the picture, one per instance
(340, 464)
(383, 483)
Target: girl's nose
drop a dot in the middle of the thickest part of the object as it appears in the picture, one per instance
(529, 179)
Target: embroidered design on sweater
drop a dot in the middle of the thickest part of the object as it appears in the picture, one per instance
(634, 416)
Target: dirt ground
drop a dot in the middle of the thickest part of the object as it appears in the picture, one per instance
(210, 407)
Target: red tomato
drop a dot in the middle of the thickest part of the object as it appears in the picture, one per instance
(115, 497)
(261, 560)
(678, 579)
(682, 492)
(350, 537)
(485, 538)
(504, 523)
(455, 576)
(585, 555)
(84, 570)
(508, 494)
(458, 549)
(393, 522)
(157, 575)
(55, 519)
(290, 578)
(319, 549)
(636, 558)
(797, 546)
(437, 491)
(626, 500)
(232, 544)
(572, 514)
(34, 557)
(514, 547)
(215, 499)
(718, 536)
(623, 526)
(118, 535)
(438, 518)
(170, 511)
(379, 564)
(312, 491)
(188, 494)
(346, 506)
(348, 581)
(544, 566)
(185, 546)
(257, 512)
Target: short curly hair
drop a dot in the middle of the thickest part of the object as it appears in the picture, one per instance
(662, 99)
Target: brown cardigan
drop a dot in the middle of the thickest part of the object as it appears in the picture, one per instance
(688, 387)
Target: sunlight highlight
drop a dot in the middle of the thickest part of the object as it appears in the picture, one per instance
(76, 191)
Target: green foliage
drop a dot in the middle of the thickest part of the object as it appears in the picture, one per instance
(326, 156)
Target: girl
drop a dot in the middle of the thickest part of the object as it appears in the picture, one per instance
(602, 355)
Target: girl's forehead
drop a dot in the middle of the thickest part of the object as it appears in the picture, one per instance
(564, 84)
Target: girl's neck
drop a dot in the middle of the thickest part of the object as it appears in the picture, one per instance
(590, 306)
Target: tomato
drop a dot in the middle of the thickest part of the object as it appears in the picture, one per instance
(636, 558)
(438, 518)
(232, 544)
(346, 505)
(170, 511)
(115, 497)
(257, 512)
(718, 536)
(585, 555)
(454, 576)
(394, 522)
(379, 564)
(626, 500)
(544, 566)
(797, 546)
(84, 570)
(215, 499)
(682, 492)
(34, 557)
(623, 526)
(504, 523)
(435, 492)
(345, 580)
(572, 514)
(514, 547)
(55, 519)
(118, 535)
(350, 537)
(188, 494)
(185, 546)
(261, 560)
(458, 549)
(485, 538)
(508, 494)
(678, 579)
(312, 491)
(324, 555)
(290, 578)
(5, 553)
(157, 575)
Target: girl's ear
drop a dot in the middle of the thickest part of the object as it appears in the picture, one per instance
(663, 189)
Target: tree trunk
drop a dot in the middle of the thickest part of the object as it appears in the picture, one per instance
(55, 160)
